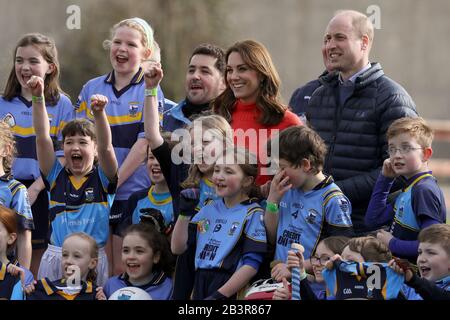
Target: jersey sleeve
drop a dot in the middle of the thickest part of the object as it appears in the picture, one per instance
(108, 186)
(50, 179)
(425, 201)
(255, 239)
(21, 205)
(338, 210)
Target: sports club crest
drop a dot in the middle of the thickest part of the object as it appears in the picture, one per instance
(10, 120)
(89, 194)
(203, 225)
(233, 228)
(312, 214)
(343, 204)
(132, 110)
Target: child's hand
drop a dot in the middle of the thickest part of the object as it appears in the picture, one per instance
(402, 268)
(36, 85)
(278, 187)
(295, 260)
(282, 293)
(384, 237)
(280, 271)
(100, 294)
(153, 74)
(388, 169)
(330, 263)
(16, 271)
(265, 189)
(30, 288)
(98, 102)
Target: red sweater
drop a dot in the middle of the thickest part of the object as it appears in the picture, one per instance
(245, 117)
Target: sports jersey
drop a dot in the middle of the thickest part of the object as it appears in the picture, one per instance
(58, 290)
(207, 193)
(305, 217)
(224, 234)
(406, 221)
(150, 199)
(125, 115)
(159, 287)
(18, 114)
(10, 286)
(14, 195)
(362, 281)
(79, 206)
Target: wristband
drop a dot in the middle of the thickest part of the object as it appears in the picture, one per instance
(303, 275)
(151, 92)
(37, 99)
(183, 217)
(271, 207)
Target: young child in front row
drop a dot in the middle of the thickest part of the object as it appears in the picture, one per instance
(230, 236)
(78, 269)
(421, 203)
(433, 263)
(148, 263)
(81, 192)
(303, 205)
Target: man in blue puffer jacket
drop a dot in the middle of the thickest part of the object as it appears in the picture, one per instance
(353, 108)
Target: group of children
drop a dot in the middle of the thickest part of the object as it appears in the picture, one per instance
(114, 209)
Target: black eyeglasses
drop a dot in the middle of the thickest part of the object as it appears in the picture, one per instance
(403, 150)
(319, 260)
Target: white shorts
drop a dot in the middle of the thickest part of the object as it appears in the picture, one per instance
(50, 266)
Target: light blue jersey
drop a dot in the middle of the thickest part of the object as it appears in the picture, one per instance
(79, 206)
(207, 193)
(18, 114)
(224, 234)
(303, 216)
(14, 195)
(150, 199)
(125, 116)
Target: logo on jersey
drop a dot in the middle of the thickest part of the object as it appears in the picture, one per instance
(203, 225)
(10, 120)
(312, 214)
(89, 194)
(132, 110)
(233, 228)
(401, 209)
(343, 204)
(3, 202)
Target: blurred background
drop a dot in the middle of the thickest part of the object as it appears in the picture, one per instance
(411, 42)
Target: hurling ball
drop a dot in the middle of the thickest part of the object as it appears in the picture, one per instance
(130, 293)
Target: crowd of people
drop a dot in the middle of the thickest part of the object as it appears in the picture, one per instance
(199, 199)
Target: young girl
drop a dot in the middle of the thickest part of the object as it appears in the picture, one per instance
(230, 237)
(78, 269)
(130, 45)
(80, 192)
(13, 195)
(326, 249)
(10, 283)
(34, 55)
(207, 135)
(148, 263)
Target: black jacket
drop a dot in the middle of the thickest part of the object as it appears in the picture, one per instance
(355, 132)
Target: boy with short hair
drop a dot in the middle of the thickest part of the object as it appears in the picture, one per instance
(433, 262)
(304, 205)
(421, 203)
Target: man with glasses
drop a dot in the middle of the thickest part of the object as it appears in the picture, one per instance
(353, 108)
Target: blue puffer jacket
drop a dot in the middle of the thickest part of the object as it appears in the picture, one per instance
(355, 132)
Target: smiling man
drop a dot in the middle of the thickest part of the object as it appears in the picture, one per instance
(352, 109)
(204, 82)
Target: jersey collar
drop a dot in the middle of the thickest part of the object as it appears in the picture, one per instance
(158, 278)
(6, 177)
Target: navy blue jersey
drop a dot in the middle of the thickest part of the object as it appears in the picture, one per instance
(422, 197)
(159, 287)
(58, 290)
(125, 117)
(224, 235)
(18, 114)
(10, 286)
(306, 217)
(79, 206)
(362, 281)
(13, 195)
